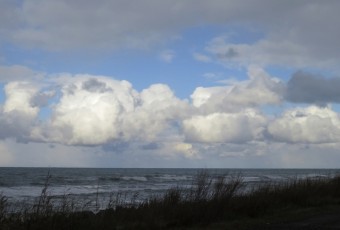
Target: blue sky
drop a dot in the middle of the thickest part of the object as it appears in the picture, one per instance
(169, 83)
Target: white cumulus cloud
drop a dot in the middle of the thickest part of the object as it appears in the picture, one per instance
(18, 98)
(95, 110)
(159, 109)
(306, 125)
(260, 89)
(18, 114)
(239, 127)
(89, 110)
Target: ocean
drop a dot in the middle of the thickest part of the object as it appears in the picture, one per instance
(89, 185)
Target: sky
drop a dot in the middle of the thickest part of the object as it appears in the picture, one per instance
(148, 83)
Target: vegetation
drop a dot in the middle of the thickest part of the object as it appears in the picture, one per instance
(206, 203)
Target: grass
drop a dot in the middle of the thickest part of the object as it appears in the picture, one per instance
(208, 202)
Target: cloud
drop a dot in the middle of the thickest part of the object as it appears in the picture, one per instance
(151, 146)
(308, 88)
(158, 112)
(112, 117)
(264, 52)
(284, 36)
(202, 58)
(19, 73)
(18, 115)
(17, 126)
(42, 98)
(96, 110)
(186, 149)
(64, 25)
(118, 147)
(167, 56)
(225, 127)
(95, 86)
(8, 18)
(260, 89)
(89, 111)
(289, 33)
(18, 98)
(211, 75)
(306, 125)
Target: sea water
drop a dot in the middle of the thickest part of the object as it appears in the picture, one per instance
(98, 184)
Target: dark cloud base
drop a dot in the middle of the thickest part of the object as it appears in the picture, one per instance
(313, 89)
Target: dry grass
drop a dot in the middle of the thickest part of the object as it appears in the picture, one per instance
(207, 201)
